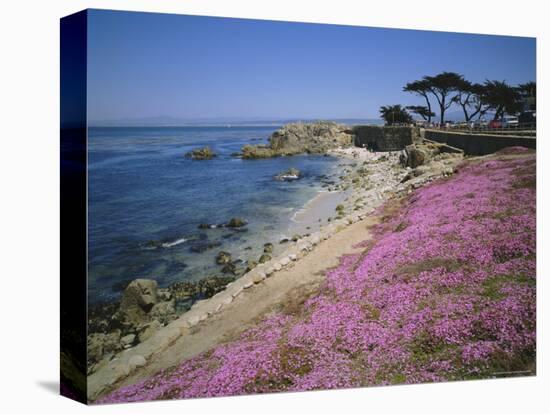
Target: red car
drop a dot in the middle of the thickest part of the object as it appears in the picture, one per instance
(495, 123)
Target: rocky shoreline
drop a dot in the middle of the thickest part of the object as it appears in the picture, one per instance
(301, 138)
(123, 336)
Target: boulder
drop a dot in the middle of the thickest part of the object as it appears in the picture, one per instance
(95, 347)
(257, 151)
(138, 299)
(258, 277)
(299, 138)
(264, 258)
(230, 268)
(419, 154)
(164, 295)
(204, 153)
(412, 156)
(101, 344)
(236, 222)
(288, 175)
(250, 264)
(128, 340)
(164, 312)
(223, 258)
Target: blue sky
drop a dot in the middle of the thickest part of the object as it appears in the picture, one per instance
(144, 65)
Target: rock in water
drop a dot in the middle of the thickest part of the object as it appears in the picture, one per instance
(264, 258)
(223, 258)
(268, 248)
(288, 175)
(236, 222)
(299, 138)
(204, 153)
(250, 264)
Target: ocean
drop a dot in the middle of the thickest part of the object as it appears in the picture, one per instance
(146, 201)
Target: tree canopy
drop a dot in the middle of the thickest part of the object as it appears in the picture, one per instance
(444, 87)
(421, 88)
(501, 98)
(395, 114)
(423, 111)
(475, 99)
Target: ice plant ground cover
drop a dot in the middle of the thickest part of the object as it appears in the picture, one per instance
(444, 291)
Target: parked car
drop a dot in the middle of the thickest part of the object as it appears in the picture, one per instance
(481, 124)
(510, 121)
(462, 125)
(495, 124)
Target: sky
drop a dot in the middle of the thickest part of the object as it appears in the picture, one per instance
(146, 65)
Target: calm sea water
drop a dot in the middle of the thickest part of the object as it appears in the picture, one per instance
(141, 189)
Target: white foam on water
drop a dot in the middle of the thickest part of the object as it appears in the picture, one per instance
(174, 243)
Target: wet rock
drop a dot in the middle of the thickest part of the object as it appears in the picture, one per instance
(153, 244)
(250, 264)
(257, 152)
(288, 175)
(164, 294)
(236, 222)
(268, 248)
(230, 268)
(223, 258)
(204, 153)
(202, 246)
(264, 258)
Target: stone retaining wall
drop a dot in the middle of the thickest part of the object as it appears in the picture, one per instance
(384, 138)
(479, 144)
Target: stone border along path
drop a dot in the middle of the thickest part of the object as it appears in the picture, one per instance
(128, 361)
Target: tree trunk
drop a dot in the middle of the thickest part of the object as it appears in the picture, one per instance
(442, 109)
(429, 106)
(466, 116)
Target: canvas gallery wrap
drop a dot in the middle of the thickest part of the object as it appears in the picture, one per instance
(253, 206)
